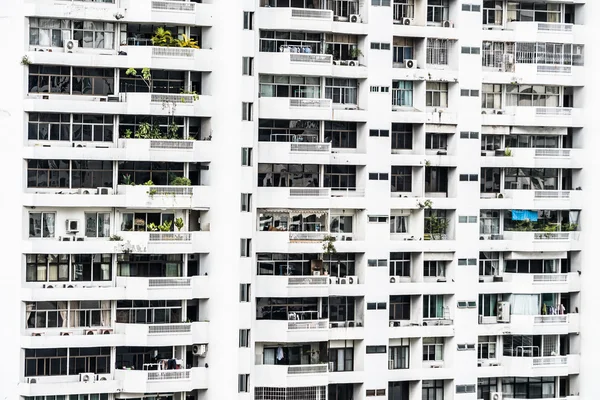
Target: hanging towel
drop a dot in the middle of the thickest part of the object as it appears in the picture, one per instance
(279, 354)
(524, 215)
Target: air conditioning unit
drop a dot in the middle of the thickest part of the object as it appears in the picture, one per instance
(503, 311)
(410, 64)
(89, 332)
(496, 396)
(31, 380)
(105, 190)
(352, 279)
(199, 350)
(71, 46)
(79, 239)
(447, 24)
(72, 225)
(64, 238)
(352, 63)
(87, 377)
(84, 191)
(355, 18)
(79, 145)
(106, 331)
(336, 62)
(334, 280)
(393, 279)
(343, 281)
(49, 287)
(407, 21)
(65, 334)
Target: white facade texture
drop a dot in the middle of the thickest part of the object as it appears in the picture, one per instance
(328, 199)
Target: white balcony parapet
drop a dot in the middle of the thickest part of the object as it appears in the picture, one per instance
(554, 69)
(169, 237)
(314, 103)
(307, 235)
(172, 52)
(173, 6)
(168, 375)
(552, 194)
(310, 147)
(169, 282)
(549, 361)
(172, 144)
(310, 192)
(552, 153)
(308, 280)
(311, 13)
(311, 58)
(553, 236)
(308, 324)
(556, 27)
(347, 192)
(547, 278)
(550, 319)
(553, 111)
(162, 329)
(307, 369)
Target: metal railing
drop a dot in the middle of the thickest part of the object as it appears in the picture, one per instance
(311, 13)
(162, 329)
(307, 369)
(171, 190)
(308, 280)
(172, 144)
(309, 192)
(311, 58)
(551, 194)
(550, 319)
(173, 6)
(554, 69)
(309, 324)
(549, 361)
(172, 97)
(319, 236)
(168, 375)
(318, 103)
(553, 111)
(170, 237)
(311, 147)
(552, 153)
(169, 282)
(551, 236)
(347, 192)
(159, 51)
(556, 27)
(544, 278)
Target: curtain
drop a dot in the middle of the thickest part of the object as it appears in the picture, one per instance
(525, 304)
(28, 310)
(573, 217)
(269, 357)
(49, 223)
(74, 320)
(62, 307)
(105, 313)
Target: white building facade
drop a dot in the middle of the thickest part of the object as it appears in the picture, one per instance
(300, 200)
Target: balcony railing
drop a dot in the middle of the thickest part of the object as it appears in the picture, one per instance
(554, 69)
(545, 278)
(312, 236)
(308, 324)
(311, 58)
(552, 152)
(309, 192)
(313, 103)
(169, 282)
(311, 147)
(168, 375)
(173, 6)
(162, 329)
(553, 111)
(549, 361)
(172, 144)
(308, 280)
(551, 194)
(171, 52)
(170, 237)
(311, 13)
(550, 319)
(551, 236)
(172, 190)
(307, 369)
(556, 27)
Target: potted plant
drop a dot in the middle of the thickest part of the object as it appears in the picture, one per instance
(179, 223)
(181, 181)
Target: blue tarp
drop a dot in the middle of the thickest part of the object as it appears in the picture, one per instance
(524, 215)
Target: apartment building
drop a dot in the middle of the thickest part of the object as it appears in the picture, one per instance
(300, 200)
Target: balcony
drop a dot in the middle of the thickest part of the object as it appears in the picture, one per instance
(169, 381)
(534, 116)
(310, 197)
(308, 330)
(417, 329)
(303, 242)
(155, 335)
(68, 384)
(294, 108)
(186, 105)
(295, 63)
(71, 337)
(544, 32)
(168, 12)
(165, 242)
(166, 150)
(166, 288)
(306, 19)
(292, 286)
(75, 10)
(530, 366)
(346, 330)
(534, 283)
(531, 325)
(308, 153)
(533, 199)
(532, 158)
(540, 74)
(531, 241)
(291, 375)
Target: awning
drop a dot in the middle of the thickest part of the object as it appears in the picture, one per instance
(438, 256)
(535, 255)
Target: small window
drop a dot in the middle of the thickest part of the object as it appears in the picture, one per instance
(464, 135)
(373, 176)
(385, 89)
(475, 8)
(246, 156)
(470, 346)
(370, 392)
(41, 224)
(244, 337)
(475, 93)
(374, 89)
(466, 7)
(465, 388)
(376, 349)
(248, 66)
(246, 202)
(244, 292)
(382, 3)
(473, 178)
(245, 247)
(462, 261)
(462, 219)
(465, 50)
(247, 109)
(385, 46)
(377, 263)
(472, 261)
(461, 347)
(471, 304)
(463, 177)
(243, 383)
(472, 219)
(380, 219)
(467, 261)
(474, 135)
(375, 46)
(379, 132)
(371, 306)
(380, 392)
(381, 306)
(461, 304)
(464, 92)
(248, 20)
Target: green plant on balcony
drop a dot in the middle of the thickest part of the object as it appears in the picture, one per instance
(162, 37)
(179, 223)
(523, 226)
(354, 53)
(127, 134)
(145, 76)
(507, 152)
(329, 245)
(25, 61)
(165, 226)
(186, 42)
(568, 227)
(149, 183)
(435, 226)
(172, 131)
(181, 181)
(115, 238)
(192, 92)
(127, 179)
(152, 227)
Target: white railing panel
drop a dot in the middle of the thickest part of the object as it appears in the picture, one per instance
(168, 375)
(556, 27)
(545, 278)
(553, 111)
(552, 153)
(170, 52)
(172, 190)
(308, 324)
(173, 6)
(311, 58)
(170, 237)
(311, 147)
(311, 13)
(309, 192)
(550, 319)
(549, 361)
(307, 235)
(347, 192)
(172, 144)
(162, 329)
(552, 194)
(308, 280)
(172, 97)
(554, 69)
(313, 103)
(307, 369)
(169, 282)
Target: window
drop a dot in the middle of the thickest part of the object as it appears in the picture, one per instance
(437, 11)
(274, 130)
(149, 312)
(97, 225)
(340, 224)
(44, 126)
(244, 338)
(491, 96)
(341, 359)
(49, 79)
(379, 133)
(399, 356)
(48, 174)
(400, 264)
(486, 347)
(399, 390)
(533, 141)
(245, 247)
(404, 49)
(436, 179)
(532, 12)
(340, 134)
(433, 349)
(247, 111)
(382, 3)
(531, 266)
(489, 263)
(433, 306)
(279, 41)
(246, 202)
(487, 304)
(91, 267)
(532, 95)
(377, 263)
(340, 176)
(398, 223)
(41, 224)
(465, 388)
(246, 156)
(400, 308)
(341, 309)
(531, 178)
(94, 34)
(434, 269)
(381, 219)
(529, 388)
(376, 306)
(436, 94)
(470, 50)
(343, 391)
(344, 48)
(243, 383)
(380, 89)
(244, 292)
(375, 176)
(402, 136)
(341, 91)
(290, 86)
(92, 174)
(248, 66)
(433, 390)
(402, 93)
(149, 265)
(436, 141)
(93, 81)
(376, 349)
(48, 32)
(288, 175)
(549, 53)
(248, 20)
(492, 15)
(485, 387)
(469, 135)
(44, 268)
(437, 51)
(468, 178)
(380, 46)
(139, 172)
(144, 222)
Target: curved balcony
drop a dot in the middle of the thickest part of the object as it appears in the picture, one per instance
(168, 12)
(315, 330)
(69, 384)
(534, 116)
(169, 381)
(294, 108)
(291, 375)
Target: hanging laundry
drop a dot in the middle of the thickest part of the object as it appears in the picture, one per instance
(524, 215)
(279, 354)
